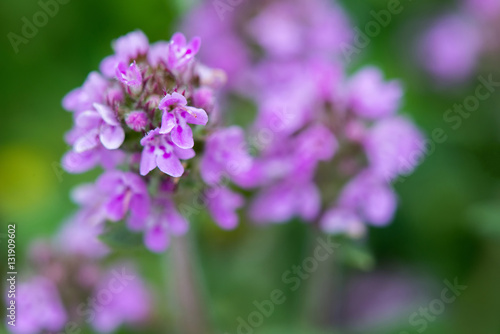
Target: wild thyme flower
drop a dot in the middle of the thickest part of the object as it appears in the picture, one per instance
(143, 120)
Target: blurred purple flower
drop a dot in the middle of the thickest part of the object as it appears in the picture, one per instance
(130, 301)
(225, 156)
(39, 307)
(372, 98)
(394, 147)
(125, 191)
(222, 205)
(451, 48)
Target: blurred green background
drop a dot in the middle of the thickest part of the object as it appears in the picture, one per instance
(448, 221)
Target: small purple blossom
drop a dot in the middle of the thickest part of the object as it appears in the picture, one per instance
(451, 48)
(130, 303)
(83, 98)
(39, 307)
(370, 198)
(225, 156)
(370, 97)
(127, 48)
(79, 162)
(160, 151)
(125, 191)
(137, 120)
(181, 53)
(176, 115)
(394, 147)
(130, 76)
(222, 205)
(163, 222)
(98, 125)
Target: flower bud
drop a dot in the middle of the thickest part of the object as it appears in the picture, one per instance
(137, 120)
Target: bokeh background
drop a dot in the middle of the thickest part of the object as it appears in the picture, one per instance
(448, 221)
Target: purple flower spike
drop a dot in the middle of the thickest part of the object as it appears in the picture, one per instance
(130, 76)
(139, 86)
(125, 191)
(159, 151)
(176, 115)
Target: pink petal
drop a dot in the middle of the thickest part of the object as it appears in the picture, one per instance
(107, 114)
(139, 206)
(148, 161)
(115, 208)
(172, 99)
(170, 165)
(195, 44)
(88, 119)
(86, 143)
(111, 136)
(196, 116)
(167, 122)
(179, 39)
(183, 153)
(182, 136)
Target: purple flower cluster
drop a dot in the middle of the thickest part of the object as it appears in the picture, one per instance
(141, 119)
(65, 273)
(325, 146)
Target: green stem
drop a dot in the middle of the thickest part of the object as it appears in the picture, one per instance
(191, 316)
(320, 296)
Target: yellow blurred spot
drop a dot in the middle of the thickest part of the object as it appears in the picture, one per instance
(26, 180)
